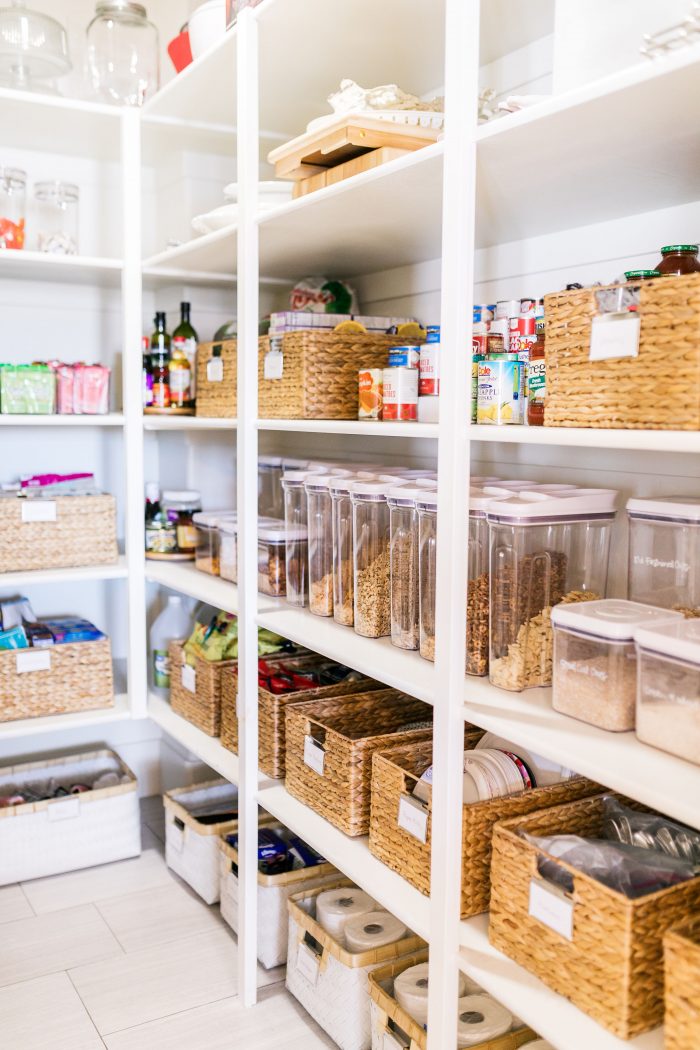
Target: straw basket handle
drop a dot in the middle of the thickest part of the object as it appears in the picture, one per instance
(312, 957)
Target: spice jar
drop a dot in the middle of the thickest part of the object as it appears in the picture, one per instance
(679, 259)
(403, 564)
(320, 543)
(228, 548)
(270, 501)
(295, 520)
(668, 687)
(13, 199)
(272, 559)
(341, 522)
(370, 527)
(57, 217)
(545, 548)
(664, 552)
(180, 506)
(594, 673)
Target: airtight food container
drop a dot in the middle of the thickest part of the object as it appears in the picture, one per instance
(270, 500)
(295, 520)
(272, 563)
(664, 552)
(228, 549)
(320, 543)
(403, 564)
(371, 536)
(207, 550)
(594, 671)
(668, 687)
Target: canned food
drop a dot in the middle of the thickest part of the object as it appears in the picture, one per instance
(500, 392)
(370, 393)
(404, 357)
(429, 369)
(400, 396)
(432, 333)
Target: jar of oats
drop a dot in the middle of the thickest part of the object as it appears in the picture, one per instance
(371, 546)
(545, 548)
(403, 564)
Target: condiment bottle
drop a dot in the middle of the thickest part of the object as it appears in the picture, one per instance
(180, 379)
(160, 362)
(537, 379)
(185, 340)
(679, 259)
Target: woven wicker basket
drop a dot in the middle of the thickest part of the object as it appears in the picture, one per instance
(203, 706)
(626, 392)
(217, 398)
(395, 773)
(349, 730)
(191, 848)
(271, 712)
(319, 378)
(387, 1016)
(73, 677)
(84, 532)
(612, 968)
(682, 968)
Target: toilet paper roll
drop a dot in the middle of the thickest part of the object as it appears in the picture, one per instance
(480, 1018)
(373, 930)
(411, 991)
(334, 908)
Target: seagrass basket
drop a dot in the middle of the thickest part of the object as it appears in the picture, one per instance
(56, 681)
(81, 530)
(272, 708)
(195, 692)
(395, 773)
(217, 383)
(682, 968)
(319, 373)
(612, 967)
(659, 389)
(330, 744)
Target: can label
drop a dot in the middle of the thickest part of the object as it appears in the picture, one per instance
(476, 360)
(479, 343)
(521, 333)
(429, 376)
(500, 392)
(400, 396)
(404, 357)
(537, 380)
(432, 333)
(370, 393)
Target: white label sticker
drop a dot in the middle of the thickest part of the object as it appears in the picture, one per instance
(34, 660)
(189, 678)
(615, 335)
(308, 963)
(38, 510)
(413, 817)
(66, 809)
(215, 370)
(552, 907)
(392, 1042)
(177, 837)
(314, 755)
(274, 364)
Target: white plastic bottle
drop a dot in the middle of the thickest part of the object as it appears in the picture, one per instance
(173, 624)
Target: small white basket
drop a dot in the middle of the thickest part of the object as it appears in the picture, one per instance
(191, 848)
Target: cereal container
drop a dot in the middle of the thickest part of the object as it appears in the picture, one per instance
(545, 548)
(272, 556)
(320, 543)
(371, 536)
(403, 559)
(664, 552)
(295, 510)
(206, 554)
(594, 672)
(341, 513)
(668, 687)
(426, 508)
(400, 394)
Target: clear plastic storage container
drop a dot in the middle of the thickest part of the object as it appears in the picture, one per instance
(426, 508)
(180, 506)
(664, 552)
(206, 555)
(272, 560)
(668, 687)
(370, 527)
(341, 515)
(228, 549)
(270, 500)
(295, 520)
(403, 562)
(545, 548)
(320, 543)
(594, 673)
(13, 201)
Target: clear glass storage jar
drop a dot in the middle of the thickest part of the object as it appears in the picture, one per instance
(664, 552)
(180, 506)
(270, 501)
(341, 522)
(228, 548)
(56, 217)
(122, 53)
(403, 564)
(370, 528)
(594, 670)
(272, 562)
(545, 548)
(320, 543)
(13, 202)
(295, 520)
(668, 687)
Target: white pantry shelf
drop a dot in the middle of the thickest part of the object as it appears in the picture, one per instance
(205, 89)
(27, 727)
(590, 437)
(355, 427)
(67, 269)
(115, 571)
(186, 579)
(352, 857)
(551, 1015)
(208, 748)
(187, 423)
(111, 419)
(210, 258)
(61, 125)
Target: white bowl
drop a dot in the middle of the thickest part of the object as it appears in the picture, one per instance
(207, 25)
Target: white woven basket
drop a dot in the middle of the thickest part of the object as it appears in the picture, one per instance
(191, 848)
(63, 834)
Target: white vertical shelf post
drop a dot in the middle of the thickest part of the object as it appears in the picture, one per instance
(459, 188)
(248, 151)
(132, 402)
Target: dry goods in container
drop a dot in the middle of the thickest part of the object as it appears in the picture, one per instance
(400, 393)
(343, 574)
(664, 552)
(372, 602)
(295, 518)
(272, 557)
(228, 550)
(403, 560)
(668, 690)
(320, 543)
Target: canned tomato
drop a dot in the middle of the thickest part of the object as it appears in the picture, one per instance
(404, 357)
(500, 392)
(400, 396)
(429, 373)
(370, 393)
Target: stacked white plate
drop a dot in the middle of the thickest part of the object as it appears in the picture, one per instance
(271, 195)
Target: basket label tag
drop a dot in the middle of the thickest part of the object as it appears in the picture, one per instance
(550, 906)
(66, 809)
(391, 1042)
(215, 370)
(34, 660)
(614, 335)
(314, 755)
(189, 678)
(273, 367)
(413, 817)
(308, 963)
(38, 510)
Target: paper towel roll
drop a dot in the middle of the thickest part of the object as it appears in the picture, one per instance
(373, 930)
(411, 991)
(334, 908)
(480, 1018)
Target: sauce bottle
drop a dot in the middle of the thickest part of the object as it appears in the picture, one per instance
(537, 379)
(160, 363)
(185, 342)
(679, 259)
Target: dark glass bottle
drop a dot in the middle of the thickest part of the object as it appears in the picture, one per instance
(679, 259)
(160, 363)
(185, 340)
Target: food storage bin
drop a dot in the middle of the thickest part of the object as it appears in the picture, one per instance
(320, 543)
(664, 552)
(58, 680)
(295, 520)
(216, 379)
(27, 390)
(270, 500)
(682, 984)
(196, 688)
(206, 554)
(668, 687)
(403, 564)
(272, 557)
(371, 535)
(56, 217)
(545, 548)
(195, 818)
(594, 670)
(228, 548)
(60, 533)
(341, 512)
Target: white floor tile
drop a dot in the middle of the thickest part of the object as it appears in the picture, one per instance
(48, 943)
(167, 913)
(94, 884)
(275, 1023)
(13, 904)
(45, 1014)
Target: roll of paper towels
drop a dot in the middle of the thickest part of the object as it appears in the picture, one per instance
(411, 991)
(479, 1019)
(334, 908)
(375, 929)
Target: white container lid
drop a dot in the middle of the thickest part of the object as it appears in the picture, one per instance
(610, 618)
(405, 495)
(484, 479)
(428, 500)
(670, 508)
(280, 534)
(479, 501)
(319, 482)
(228, 526)
(528, 508)
(426, 483)
(297, 477)
(289, 463)
(210, 518)
(269, 461)
(680, 638)
(181, 496)
(371, 490)
(344, 485)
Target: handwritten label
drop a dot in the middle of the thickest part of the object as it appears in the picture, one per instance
(314, 755)
(308, 963)
(66, 809)
(413, 817)
(38, 510)
(189, 678)
(34, 660)
(274, 364)
(550, 906)
(215, 370)
(615, 335)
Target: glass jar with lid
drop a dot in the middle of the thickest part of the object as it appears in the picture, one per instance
(679, 259)
(13, 200)
(180, 506)
(56, 217)
(371, 561)
(122, 53)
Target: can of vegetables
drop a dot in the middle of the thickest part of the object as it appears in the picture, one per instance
(370, 393)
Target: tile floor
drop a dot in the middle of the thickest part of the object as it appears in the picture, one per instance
(126, 957)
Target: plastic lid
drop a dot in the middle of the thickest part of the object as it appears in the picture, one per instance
(428, 500)
(680, 638)
(181, 496)
(679, 248)
(536, 507)
(289, 463)
(344, 485)
(671, 508)
(297, 477)
(405, 495)
(479, 501)
(207, 518)
(373, 490)
(278, 533)
(426, 483)
(228, 525)
(609, 618)
(318, 482)
(269, 461)
(643, 274)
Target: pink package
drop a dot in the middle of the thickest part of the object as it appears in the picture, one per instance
(91, 390)
(64, 390)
